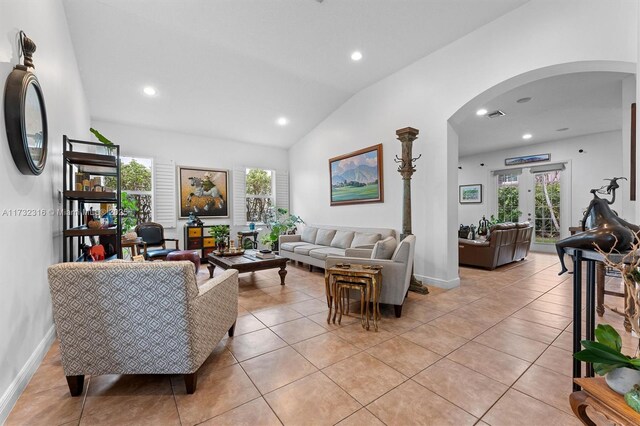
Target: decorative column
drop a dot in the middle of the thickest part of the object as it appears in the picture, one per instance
(406, 168)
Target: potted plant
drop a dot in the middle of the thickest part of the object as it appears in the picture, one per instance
(282, 222)
(621, 371)
(220, 233)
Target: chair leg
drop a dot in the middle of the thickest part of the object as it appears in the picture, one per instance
(398, 310)
(76, 384)
(232, 329)
(190, 382)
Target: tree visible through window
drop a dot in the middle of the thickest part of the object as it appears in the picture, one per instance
(547, 207)
(259, 194)
(137, 184)
(508, 198)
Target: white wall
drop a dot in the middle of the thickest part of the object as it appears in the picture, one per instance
(196, 151)
(602, 158)
(30, 244)
(426, 94)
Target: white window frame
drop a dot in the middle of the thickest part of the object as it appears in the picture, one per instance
(273, 190)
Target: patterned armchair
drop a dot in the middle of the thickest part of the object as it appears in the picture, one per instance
(153, 236)
(139, 318)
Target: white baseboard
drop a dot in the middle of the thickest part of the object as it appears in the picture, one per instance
(11, 395)
(438, 282)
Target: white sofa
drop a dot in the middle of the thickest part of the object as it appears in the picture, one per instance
(317, 242)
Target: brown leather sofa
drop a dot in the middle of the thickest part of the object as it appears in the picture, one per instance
(507, 242)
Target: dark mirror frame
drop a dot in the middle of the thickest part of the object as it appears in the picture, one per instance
(15, 93)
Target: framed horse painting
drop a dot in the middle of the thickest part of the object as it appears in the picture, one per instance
(203, 192)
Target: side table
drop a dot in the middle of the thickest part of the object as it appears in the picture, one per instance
(370, 278)
(597, 395)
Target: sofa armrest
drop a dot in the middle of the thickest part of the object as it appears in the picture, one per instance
(474, 243)
(289, 238)
(364, 253)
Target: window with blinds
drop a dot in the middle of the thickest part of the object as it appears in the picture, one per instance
(257, 193)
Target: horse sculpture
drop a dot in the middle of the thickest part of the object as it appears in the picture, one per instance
(205, 188)
(609, 232)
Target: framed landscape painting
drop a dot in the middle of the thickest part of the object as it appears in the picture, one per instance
(203, 192)
(470, 194)
(525, 159)
(357, 177)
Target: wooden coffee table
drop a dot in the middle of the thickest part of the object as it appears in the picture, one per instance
(247, 263)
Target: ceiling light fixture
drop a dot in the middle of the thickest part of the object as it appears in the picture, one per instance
(527, 136)
(149, 91)
(481, 111)
(356, 56)
(523, 100)
(282, 121)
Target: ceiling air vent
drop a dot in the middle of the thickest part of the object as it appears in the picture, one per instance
(495, 114)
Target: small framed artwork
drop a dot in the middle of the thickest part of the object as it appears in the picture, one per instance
(203, 192)
(357, 177)
(525, 159)
(470, 194)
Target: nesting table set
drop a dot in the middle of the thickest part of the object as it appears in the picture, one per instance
(343, 278)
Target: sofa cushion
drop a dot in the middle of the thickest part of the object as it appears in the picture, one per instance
(324, 237)
(384, 249)
(304, 250)
(293, 245)
(322, 253)
(342, 239)
(309, 234)
(363, 239)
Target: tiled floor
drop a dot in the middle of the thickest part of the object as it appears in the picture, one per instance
(494, 351)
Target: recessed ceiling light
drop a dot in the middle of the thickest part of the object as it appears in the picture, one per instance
(562, 129)
(150, 91)
(481, 111)
(527, 136)
(356, 56)
(282, 121)
(523, 100)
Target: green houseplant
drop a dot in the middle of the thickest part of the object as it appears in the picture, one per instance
(220, 233)
(281, 222)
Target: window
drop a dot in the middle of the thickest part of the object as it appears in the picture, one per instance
(260, 194)
(508, 198)
(137, 184)
(547, 204)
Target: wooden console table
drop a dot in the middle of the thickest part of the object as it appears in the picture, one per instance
(596, 395)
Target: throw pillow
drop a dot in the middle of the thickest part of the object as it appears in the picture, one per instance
(384, 249)
(324, 237)
(362, 239)
(342, 239)
(309, 234)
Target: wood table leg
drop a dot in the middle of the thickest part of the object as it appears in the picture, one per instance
(211, 267)
(283, 273)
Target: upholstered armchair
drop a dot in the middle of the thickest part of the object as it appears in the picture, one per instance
(139, 318)
(396, 272)
(153, 236)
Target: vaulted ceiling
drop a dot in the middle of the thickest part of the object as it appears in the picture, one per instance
(230, 68)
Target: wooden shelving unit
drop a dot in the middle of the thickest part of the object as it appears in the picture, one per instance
(84, 157)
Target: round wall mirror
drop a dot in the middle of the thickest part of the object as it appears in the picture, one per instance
(26, 121)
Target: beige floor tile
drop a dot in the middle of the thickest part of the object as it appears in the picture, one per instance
(325, 349)
(313, 400)
(246, 324)
(528, 329)
(459, 326)
(558, 360)
(412, 404)
(292, 297)
(553, 308)
(403, 355)
(361, 338)
(47, 376)
(309, 307)
(53, 354)
(220, 357)
(420, 311)
(298, 330)
(116, 399)
(364, 377)
(544, 318)
(361, 417)
(321, 319)
(435, 339)
(492, 363)
(217, 392)
(276, 369)
(254, 343)
(564, 341)
(512, 344)
(255, 412)
(53, 406)
(469, 390)
(547, 386)
(274, 316)
(259, 302)
(537, 412)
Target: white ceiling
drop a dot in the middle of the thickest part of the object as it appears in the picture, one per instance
(230, 68)
(588, 102)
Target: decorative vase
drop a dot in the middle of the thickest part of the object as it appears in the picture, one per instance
(623, 379)
(483, 226)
